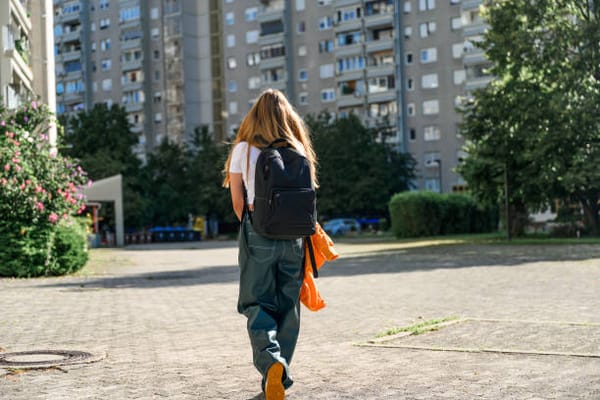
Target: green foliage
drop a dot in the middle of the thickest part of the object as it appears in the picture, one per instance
(103, 142)
(416, 214)
(39, 192)
(357, 173)
(70, 247)
(538, 121)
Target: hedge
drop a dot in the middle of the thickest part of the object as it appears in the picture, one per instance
(415, 214)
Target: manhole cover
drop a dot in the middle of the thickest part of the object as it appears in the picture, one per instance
(47, 358)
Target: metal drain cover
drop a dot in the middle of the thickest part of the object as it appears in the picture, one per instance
(47, 358)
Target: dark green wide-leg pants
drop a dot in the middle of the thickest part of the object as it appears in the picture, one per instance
(271, 273)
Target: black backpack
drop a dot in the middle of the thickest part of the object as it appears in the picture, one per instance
(285, 197)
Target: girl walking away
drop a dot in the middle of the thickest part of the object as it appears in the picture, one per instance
(271, 270)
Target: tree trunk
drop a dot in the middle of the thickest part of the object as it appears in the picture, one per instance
(591, 214)
(519, 218)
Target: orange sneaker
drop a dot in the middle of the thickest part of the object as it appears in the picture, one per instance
(274, 389)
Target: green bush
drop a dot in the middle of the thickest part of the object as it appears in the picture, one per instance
(70, 247)
(415, 214)
(40, 192)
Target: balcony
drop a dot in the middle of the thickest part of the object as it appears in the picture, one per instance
(70, 17)
(131, 65)
(381, 70)
(131, 44)
(378, 20)
(478, 83)
(70, 36)
(349, 75)
(352, 25)
(475, 57)
(279, 85)
(133, 107)
(132, 85)
(349, 50)
(380, 45)
(346, 3)
(137, 128)
(20, 66)
(70, 56)
(383, 96)
(474, 29)
(70, 98)
(350, 100)
(269, 14)
(271, 39)
(21, 14)
(274, 62)
(467, 5)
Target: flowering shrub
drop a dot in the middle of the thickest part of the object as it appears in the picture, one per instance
(40, 191)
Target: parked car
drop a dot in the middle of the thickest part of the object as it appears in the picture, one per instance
(341, 226)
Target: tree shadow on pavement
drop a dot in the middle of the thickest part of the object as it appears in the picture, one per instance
(384, 262)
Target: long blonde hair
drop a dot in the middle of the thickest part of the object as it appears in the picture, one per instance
(270, 118)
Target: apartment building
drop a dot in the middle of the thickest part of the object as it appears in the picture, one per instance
(393, 63)
(154, 57)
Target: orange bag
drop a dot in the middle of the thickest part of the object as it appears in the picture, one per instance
(323, 251)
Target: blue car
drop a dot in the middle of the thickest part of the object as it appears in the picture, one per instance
(341, 226)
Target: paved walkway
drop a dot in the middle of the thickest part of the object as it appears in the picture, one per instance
(166, 320)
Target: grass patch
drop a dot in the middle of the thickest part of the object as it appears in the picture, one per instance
(417, 329)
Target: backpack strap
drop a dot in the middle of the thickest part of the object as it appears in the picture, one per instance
(277, 141)
(311, 253)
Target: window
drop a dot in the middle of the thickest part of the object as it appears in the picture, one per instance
(300, 5)
(129, 14)
(252, 36)
(427, 29)
(106, 64)
(460, 75)
(104, 45)
(425, 5)
(325, 23)
(273, 75)
(157, 75)
(233, 107)
(229, 18)
(455, 23)
(93, 47)
(93, 27)
(410, 84)
(231, 63)
(104, 23)
(407, 7)
(157, 118)
(348, 38)
(302, 75)
(428, 55)
(155, 32)
(157, 97)
(432, 185)
(457, 50)
(60, 88)
(412, 134)
(381, 84)
(409, 58)
(408, 32)
(410, 109)
(350, 63)
(254, 82)
(431, 133)
(250, 14)
(302, 50)
(231, 40)
(107, 85)
(253, 59)
(326, 71)
(348, 14)
(431, 107)
(327, 95)
(303, 98)
(429, 81)
(232, 86)
(156, 54)
(272, 51)
(301, 27)
(321, 3)
(325, 46)
(154, 13)
(103, 4)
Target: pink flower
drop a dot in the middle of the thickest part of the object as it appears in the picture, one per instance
(89, 184)
(22, 186)
(6, 167)
(3, 181)
(25, 118)
(38, 189)
(18, 168)
(34, 105)
(53, 218)
(39, 205)
(3, 123)
(27, 182)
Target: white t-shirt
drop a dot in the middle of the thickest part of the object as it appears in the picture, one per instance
(238, 165)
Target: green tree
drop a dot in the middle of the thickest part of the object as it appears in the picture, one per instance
(538, 120)
(357, 173)
(103, 142)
